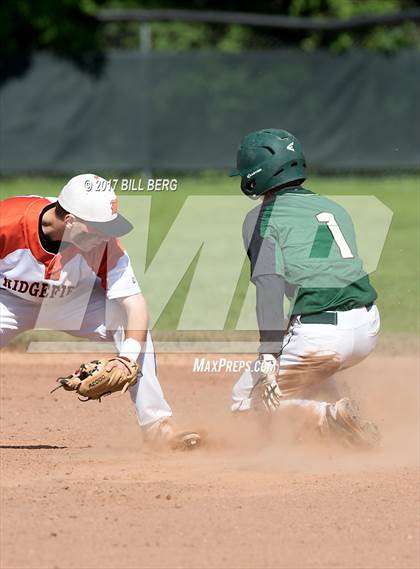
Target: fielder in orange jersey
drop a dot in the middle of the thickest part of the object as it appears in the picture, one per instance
(62, 267)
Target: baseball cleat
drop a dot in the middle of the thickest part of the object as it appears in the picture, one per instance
(342, 419)
(186, 440)
(165, 433)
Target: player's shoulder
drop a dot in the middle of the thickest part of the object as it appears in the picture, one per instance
(252, 215)
(27, 199)
(333, 206)
(17, 206)
(19, 218)
(250, 221)
(261, 221)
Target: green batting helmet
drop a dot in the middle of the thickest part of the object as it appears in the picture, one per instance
(268, 158)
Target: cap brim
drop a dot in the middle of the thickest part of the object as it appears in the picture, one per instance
(234, 172)
(116, 228)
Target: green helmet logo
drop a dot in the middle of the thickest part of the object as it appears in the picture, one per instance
(268, 158)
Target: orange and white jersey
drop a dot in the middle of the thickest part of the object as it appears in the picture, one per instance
(29, 271)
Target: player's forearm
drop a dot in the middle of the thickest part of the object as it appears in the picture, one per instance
(137, 323)
(270, 315)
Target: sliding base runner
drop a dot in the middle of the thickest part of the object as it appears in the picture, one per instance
(303, 245)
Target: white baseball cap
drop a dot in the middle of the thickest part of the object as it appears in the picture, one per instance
(92, 199)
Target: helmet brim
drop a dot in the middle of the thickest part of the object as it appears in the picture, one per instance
(234, 172)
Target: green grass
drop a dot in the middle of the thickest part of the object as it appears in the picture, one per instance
(397, 276)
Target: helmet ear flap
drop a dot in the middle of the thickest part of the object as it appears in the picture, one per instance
(248, 186)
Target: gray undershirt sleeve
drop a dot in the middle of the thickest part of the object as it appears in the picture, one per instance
(270, 314)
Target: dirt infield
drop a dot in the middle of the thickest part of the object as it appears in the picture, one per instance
(78, 489)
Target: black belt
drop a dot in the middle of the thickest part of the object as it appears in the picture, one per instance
(324, 317)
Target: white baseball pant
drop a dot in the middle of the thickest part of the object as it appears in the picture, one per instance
(352, 339)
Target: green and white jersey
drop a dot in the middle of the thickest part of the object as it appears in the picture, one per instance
(309, 240)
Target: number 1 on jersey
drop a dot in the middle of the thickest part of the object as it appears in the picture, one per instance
(338, 237)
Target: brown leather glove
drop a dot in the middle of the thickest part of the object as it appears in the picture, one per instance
(98, 378)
